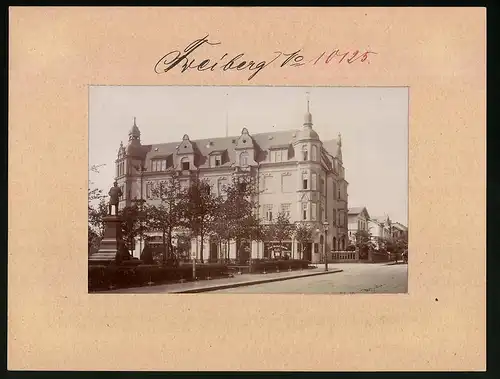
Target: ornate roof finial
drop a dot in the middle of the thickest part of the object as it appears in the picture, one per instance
(308, 116)
(134, 133)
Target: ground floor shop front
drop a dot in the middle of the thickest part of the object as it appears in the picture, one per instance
(186, 248)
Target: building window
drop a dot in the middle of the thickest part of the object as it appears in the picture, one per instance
(278, 156)
(159, 165)
(304, 180)
(185, 163)
(244, 159)
(304, 211)
(287, 183)
(304, 153)
(313, 212)
(267, 183)
(120, 170)
(314, 153)
(268, 212)
(314, 181)
(285, 209)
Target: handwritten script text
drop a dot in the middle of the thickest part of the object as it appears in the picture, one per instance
(185, 59)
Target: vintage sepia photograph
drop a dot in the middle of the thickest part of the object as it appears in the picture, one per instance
(248, 189)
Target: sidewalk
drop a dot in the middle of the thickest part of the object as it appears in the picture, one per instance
(218, 284)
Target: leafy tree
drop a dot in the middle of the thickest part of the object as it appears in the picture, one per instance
(96, 211)
(200, 209)
(303, 235)
(363, 242)
(395, 245)
(131, 227)
(280, 230)
(167, 215)
(240, 208)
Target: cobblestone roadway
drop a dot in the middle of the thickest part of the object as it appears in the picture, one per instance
(356, 278)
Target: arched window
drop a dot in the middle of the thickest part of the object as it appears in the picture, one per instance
(304, 153)
(185, 163)
(314, 153)
(244, 159)
(305, 177)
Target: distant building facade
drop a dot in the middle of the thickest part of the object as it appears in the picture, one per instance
(297, 173)
(380, 229)
(358, 219)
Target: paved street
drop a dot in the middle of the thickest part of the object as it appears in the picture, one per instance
(245, 279)
(355, 278)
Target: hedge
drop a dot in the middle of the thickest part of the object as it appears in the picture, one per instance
(282, 265)
(104, 277)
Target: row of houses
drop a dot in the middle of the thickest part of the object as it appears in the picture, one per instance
(380, 227)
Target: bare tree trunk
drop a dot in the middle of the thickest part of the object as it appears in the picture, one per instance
(164, 247)
(201, 247)
(170, 246)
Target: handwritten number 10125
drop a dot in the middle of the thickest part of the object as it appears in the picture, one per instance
(338, 57)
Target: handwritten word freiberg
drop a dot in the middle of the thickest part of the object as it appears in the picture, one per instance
(238, 63)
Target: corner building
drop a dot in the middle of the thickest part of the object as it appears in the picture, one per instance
(296, 172)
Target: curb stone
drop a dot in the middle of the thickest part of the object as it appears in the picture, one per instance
(250, 283)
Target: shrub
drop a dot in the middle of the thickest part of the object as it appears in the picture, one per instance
(282, 265)
(102, 277)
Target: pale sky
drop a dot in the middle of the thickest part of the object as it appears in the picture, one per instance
(373, 122)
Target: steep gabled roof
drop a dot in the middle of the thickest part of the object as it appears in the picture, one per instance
(358, 210)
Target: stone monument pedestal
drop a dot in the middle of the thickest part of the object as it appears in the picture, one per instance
(111, 244)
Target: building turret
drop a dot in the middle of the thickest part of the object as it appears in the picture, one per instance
(134, 141)
(307, 132)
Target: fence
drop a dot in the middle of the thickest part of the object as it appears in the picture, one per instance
(343, 256)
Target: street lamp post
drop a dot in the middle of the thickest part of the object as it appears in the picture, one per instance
(325, 231)
(325, 226)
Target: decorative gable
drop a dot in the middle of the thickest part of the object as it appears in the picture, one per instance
(245, 141)
(305, 196)
(364, 213)
(186, 146)
(185, 155)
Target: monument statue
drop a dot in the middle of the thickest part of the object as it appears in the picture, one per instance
(114, 197)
